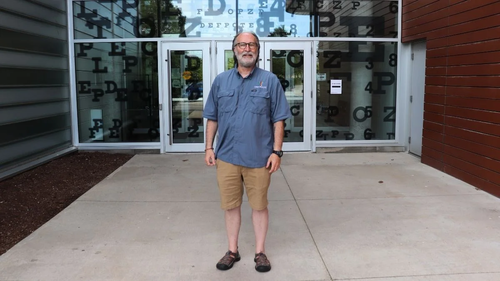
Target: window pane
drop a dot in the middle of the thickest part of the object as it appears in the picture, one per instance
(356, 84)
(154, 18)
(219, 18)
(101, 19)
(348, 18)
(187, 96)
(228, 60)
(272, 19)
(288, 65)
(117, 92)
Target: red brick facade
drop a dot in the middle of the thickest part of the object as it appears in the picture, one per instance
(461, 135)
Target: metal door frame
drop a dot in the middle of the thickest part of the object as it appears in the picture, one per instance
(306, 47)
(165, 97)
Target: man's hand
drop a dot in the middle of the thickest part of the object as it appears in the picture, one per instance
(274, 161)
(210, 157)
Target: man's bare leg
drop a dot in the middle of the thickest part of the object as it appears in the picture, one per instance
(260, 221)
(233, 223)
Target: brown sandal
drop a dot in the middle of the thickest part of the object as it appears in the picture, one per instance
(228, 260)
(262, 264)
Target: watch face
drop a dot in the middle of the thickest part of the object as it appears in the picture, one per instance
(278, 152)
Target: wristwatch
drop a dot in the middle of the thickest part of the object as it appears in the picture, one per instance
(278, 152)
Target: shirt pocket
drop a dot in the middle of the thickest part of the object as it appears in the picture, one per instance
(226, 101)
(259, 101)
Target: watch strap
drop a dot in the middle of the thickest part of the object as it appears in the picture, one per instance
(278, 152)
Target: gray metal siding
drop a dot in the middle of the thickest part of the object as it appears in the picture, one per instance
(35, 116)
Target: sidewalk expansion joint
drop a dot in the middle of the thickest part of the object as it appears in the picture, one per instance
(305, 222)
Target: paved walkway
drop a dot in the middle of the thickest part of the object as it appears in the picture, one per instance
(371, 216)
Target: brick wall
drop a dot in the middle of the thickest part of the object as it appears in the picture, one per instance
(461, 133)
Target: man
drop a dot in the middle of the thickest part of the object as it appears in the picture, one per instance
(247, 107)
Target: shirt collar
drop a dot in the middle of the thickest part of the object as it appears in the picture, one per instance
(249, 75)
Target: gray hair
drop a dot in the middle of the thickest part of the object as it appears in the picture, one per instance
(258, 46)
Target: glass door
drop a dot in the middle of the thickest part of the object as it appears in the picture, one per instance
(292, 63)
(186, 81)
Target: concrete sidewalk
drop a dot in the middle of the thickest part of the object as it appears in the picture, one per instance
(372, 216)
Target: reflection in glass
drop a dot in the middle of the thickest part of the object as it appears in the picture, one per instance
(228, 59)
(117, 92)
(364, 106)
(267, 18)
(288, 65)
(362, 18)
(186, 80)
(132, 19)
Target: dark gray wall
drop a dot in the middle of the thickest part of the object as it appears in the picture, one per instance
(34, 81)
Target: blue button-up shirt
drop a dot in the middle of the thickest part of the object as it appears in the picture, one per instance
(245, 110)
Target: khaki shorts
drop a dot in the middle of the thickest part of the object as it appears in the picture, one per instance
(231, 179)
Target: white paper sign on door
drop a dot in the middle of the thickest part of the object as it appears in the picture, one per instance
(335, 87)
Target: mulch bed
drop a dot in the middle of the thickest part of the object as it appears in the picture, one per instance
(32, 198)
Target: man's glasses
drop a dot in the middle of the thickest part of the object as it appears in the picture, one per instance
(243, 45)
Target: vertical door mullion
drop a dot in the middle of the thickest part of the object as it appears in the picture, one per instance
(194, 107)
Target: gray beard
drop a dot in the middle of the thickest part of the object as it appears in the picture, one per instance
(247, 63)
